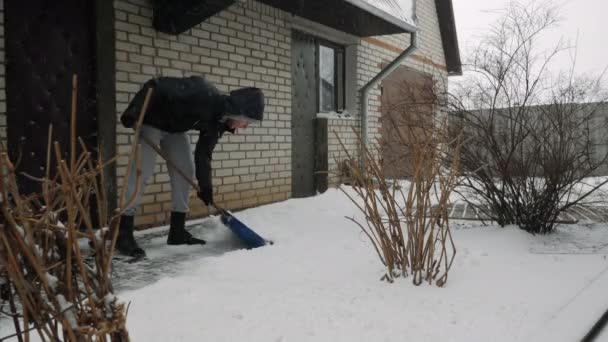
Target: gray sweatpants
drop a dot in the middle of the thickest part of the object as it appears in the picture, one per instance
(176, 146)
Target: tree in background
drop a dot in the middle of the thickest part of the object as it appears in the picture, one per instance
(533, 136)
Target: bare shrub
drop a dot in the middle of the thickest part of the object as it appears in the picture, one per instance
(533, 136)
(408, 225)
(52, 287)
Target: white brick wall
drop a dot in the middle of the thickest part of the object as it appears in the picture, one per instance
(370, 59)
(238, 47)
(429, 36)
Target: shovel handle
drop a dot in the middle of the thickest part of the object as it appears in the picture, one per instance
(182, 173)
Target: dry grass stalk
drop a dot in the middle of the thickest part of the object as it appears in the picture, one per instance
(409, 228)
(52, 287)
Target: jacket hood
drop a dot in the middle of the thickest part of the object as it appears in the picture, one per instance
(246, 101)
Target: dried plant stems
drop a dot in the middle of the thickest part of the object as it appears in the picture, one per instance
(409, 229)
(53, 288)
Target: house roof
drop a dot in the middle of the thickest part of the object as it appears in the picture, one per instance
(449, 38)
(362, 18)
(366, 18)
(398, 12)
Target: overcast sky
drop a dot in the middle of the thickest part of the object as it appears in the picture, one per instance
(586, 18)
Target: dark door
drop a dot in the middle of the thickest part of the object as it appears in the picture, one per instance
(46, 43)
(303, 111)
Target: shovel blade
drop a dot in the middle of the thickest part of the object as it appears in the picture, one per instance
(246, 234)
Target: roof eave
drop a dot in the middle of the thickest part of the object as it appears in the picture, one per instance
(356, 17)
(407, 27)
(449, 37)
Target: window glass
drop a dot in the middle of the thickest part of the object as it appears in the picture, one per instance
(327, 79)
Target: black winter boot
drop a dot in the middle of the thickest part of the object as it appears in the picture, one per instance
(178, 234)
(125, 242)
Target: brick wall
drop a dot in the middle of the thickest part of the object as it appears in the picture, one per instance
(239, 47)
(371, 54)
(428, 57)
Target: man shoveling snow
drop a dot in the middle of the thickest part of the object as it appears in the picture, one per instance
(178, 105)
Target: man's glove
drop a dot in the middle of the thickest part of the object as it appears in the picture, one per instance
(206, 195)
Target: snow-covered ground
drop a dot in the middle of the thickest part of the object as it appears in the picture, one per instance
(320, 282)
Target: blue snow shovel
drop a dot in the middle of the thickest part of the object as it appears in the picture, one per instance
(246, 234)
(249, 237)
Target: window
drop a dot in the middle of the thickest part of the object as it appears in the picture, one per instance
(331, 77)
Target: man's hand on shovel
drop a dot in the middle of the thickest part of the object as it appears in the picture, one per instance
(206, 195)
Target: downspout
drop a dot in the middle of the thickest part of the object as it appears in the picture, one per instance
(373, 82)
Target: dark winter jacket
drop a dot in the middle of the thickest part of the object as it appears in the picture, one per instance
(177, 104)
(182, 104)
